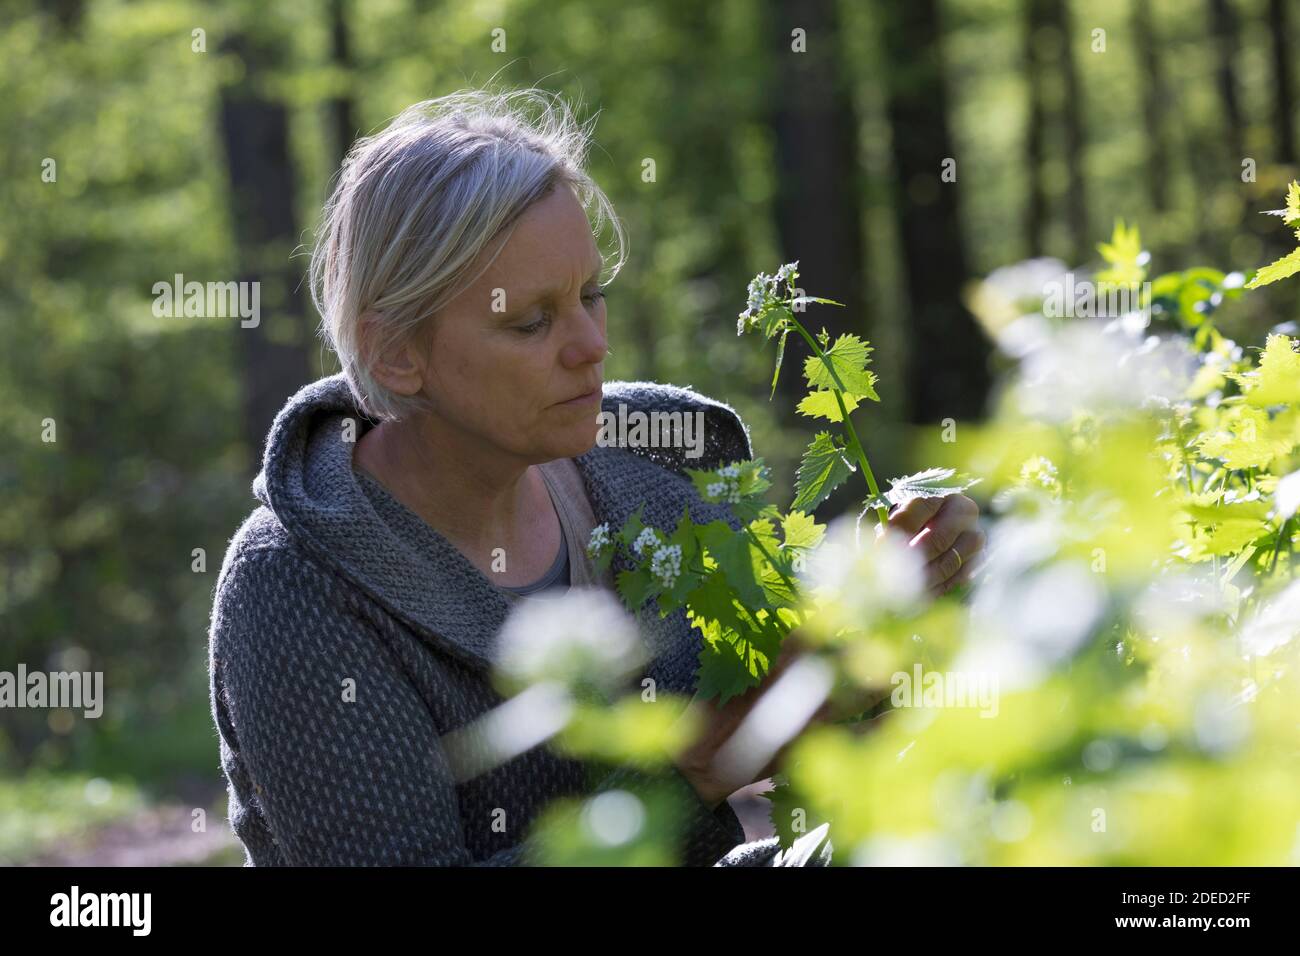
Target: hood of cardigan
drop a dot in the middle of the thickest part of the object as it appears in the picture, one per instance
(308, 484)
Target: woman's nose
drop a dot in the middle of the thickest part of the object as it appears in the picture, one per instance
(588, 345)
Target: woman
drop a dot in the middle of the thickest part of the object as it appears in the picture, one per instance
(447, 472)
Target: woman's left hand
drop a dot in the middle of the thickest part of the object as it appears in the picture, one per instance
(945, 532)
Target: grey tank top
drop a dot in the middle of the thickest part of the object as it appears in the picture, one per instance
(572, 567)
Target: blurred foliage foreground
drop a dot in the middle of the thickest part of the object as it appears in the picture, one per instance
(1119, 684)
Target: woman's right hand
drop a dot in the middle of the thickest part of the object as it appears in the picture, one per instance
(715, 780)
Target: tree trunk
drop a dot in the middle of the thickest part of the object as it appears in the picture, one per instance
(1036, 210)
(817, 207)
(1154, 100)
(273, 352)
(948, 374)
(1279, 26)
(1224, 24)
(1057, 14)
(343, 109)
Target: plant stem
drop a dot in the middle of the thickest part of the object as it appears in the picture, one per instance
(855, 445)
(1277, 545)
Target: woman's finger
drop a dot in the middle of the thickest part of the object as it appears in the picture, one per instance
(957, 515)
(954, 566)
(912, 516)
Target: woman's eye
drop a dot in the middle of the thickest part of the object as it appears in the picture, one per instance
(542, 323)
(534, 327)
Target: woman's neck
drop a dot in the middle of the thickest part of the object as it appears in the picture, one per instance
(477, 497)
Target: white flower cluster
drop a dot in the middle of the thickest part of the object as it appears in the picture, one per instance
(763, 295)
(727, 487)
(666, 564)
(1041, 472)
(648, 536)
(599, 540)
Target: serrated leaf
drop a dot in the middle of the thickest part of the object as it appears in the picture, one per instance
(780, 595)
(634, 587)
(804, 299)
(604, 559)
(789, 816)
(731, 662)
(931, 483)
(1223, 529)
(801, 531)
(1275, 271)
(765, 531)
(752, 478)
(632, 527)
(1255, 510)
(822, 470)
(715, 600)
(742, 563)
(1276, 381)
(1292, 211)
(775, 319)
(849, 357)
(780, 354)
(686, 537)
(722, 673)
(823, 405)
(1123, 255)
(1248, 440)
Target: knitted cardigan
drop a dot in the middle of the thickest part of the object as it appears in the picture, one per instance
(319, 586)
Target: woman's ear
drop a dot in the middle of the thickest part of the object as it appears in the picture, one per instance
(398, 367)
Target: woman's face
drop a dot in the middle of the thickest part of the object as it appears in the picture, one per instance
(515, 360)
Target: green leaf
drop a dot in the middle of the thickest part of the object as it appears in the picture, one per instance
(823, 405)
(1277, 379)
(632, 527)
(1245, 441)
(714, 599)
(1282, 268)
(1289, 264)
(775, 320)
(780, 354)
(849, 357)
(742, 563)
(788, 811)
(765, 531)
(1224, 528)
(686, 537)
(634, 587)
(751, 481)
(731, 662)
(715, 535)
(801, 531)
(603, 560)
(1292, 211)
(722, 672)
(823, 469)
(931, 483)
(805, 299)
(1124, 257)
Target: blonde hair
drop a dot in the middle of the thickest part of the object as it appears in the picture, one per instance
(414, 205)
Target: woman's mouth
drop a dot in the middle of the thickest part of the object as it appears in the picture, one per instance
(587, 398)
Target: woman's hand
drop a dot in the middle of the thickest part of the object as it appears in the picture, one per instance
(713, 779)
(945, 532)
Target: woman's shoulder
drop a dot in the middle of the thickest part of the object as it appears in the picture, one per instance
(721, 435)
(265, 573)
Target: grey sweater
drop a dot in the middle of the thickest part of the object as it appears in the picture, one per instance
(324, 583)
